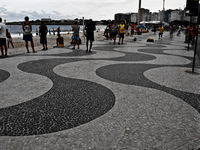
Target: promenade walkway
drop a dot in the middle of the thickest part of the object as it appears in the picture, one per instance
(135, 96)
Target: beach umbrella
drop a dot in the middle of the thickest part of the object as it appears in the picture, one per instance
(140, 26)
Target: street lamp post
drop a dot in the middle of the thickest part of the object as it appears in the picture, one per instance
(139, 13)
(163, 10)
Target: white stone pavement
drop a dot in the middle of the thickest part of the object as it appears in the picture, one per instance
(142, 118)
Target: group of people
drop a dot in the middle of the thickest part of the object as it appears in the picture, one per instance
(27, 35)
(112, 31)
(43, 30)
(89, 33)
(49, 31)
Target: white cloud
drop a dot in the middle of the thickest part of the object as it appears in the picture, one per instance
(15, 10)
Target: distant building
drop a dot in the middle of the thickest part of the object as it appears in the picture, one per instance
(145, 15)
(119, 17)
(46, 19)
(176, 15)
(134, 17)
(155, 17)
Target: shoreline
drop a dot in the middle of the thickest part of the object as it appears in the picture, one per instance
(19, 43)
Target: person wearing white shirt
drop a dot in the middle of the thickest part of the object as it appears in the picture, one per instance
(3, 38)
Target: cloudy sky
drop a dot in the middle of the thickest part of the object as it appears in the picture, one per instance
(16, 10)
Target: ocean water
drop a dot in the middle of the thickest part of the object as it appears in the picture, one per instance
(16, 30)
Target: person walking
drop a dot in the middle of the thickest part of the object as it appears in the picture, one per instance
(90, 28)
(114, 30)
(171, 31)
(179, 30)
(121, 32)
(27, 35)
(154, 29)
(75, 37)
(43, 30)
(161, 29)
(3, 39)
(187, 34)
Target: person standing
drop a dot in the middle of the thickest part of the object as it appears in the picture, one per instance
(58, 31)
(9, 38)
(114, 30)
(132, 28)
(3, 38)
(107, 32)
(53, 31)
(75, 37)
(192, 33)
(43, 30)
(90, 28)
(27, 36)
(49, 32)
(126, 29)
(121, 32)
(36, 32)
(161, 29)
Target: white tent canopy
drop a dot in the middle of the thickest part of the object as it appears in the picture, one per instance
(154, 22)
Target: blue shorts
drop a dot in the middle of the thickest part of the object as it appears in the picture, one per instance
(27, 37)
(75, 38)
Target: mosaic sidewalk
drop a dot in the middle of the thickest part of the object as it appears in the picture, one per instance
(135, 96)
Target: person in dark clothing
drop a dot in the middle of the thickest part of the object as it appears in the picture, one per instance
(192, 33)
(43, 35)
(90, 28)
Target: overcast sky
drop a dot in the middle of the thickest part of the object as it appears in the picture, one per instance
(16, 10)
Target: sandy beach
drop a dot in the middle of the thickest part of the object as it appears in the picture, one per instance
(19, 44)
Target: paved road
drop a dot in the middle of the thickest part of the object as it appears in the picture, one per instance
(135, 96)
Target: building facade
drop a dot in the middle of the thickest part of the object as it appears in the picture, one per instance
(166, 16)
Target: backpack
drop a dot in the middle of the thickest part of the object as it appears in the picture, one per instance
(27, 29)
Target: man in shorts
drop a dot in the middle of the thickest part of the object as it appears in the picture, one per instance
(90, 28)
(114, 30)
(121, 32)
(3, 39)
(27, 36)
(161, 29)
(75, 37)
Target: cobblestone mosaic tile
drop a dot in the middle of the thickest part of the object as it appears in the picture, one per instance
(4, 75)
(70, 103)
(133, 74)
